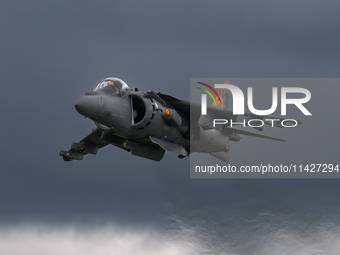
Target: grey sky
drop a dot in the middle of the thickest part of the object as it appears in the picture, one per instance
(53, 52)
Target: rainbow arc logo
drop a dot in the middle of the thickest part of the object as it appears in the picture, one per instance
(208, 92)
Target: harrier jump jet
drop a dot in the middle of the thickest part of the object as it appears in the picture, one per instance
(147, 124)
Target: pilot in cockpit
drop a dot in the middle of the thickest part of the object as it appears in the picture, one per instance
(113, 86)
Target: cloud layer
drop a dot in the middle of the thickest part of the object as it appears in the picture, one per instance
(263, 237)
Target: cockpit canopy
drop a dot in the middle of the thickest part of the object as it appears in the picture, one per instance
(113, 86)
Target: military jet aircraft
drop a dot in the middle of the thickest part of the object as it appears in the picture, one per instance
(147, 124)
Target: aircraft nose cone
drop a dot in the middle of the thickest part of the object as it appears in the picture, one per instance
(87, 106)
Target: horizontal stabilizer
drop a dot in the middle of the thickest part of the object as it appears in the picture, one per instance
(243, 132)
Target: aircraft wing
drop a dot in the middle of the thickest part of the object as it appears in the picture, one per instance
(97, 139)
(187, 107)
(91, 144)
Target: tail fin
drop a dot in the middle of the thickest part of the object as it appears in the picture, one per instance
(224, 95)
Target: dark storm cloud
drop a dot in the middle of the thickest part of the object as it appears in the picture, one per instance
(53, 52)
